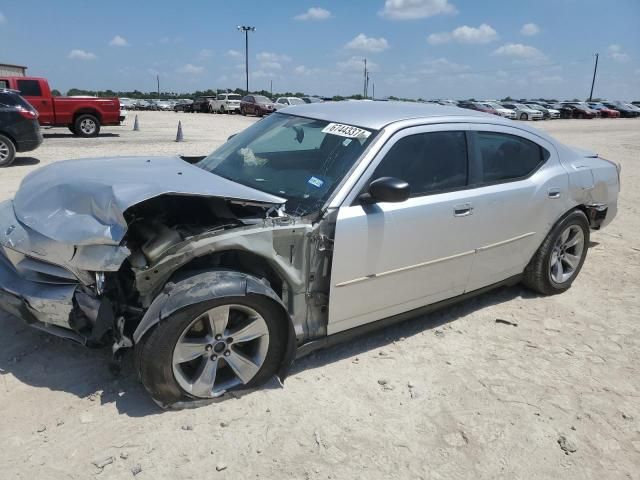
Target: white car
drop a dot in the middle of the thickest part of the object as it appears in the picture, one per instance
(524, 112)
(226, 103)
(283, 102)
(547, 113)
(502, 111)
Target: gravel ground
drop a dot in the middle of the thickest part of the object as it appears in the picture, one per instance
(552, 390)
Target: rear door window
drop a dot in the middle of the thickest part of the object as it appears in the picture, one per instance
(4, 83)
(29, 88)
(504, 157)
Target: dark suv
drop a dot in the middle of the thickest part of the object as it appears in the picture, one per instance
(203, 104)
(19, 127)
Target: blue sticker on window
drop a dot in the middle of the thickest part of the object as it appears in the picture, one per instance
(316, 182)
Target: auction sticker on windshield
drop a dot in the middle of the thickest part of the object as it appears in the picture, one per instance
(346, 131)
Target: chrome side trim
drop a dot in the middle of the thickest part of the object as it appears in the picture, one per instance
(404, 269)
(504, 242)
(432, 262)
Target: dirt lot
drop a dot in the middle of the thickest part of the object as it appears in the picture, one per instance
(553, 392)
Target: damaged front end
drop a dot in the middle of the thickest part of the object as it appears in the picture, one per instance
(39, 286)
(79, 239)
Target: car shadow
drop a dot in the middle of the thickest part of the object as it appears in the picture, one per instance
(25, 161)
(41, 360)
(71, 135)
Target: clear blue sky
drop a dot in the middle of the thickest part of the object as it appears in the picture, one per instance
(416, 48)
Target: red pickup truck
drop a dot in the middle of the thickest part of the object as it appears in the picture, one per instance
(83, 116)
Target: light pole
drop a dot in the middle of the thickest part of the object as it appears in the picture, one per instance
(246, 29)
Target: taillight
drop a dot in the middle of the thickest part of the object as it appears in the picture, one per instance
(30, 114)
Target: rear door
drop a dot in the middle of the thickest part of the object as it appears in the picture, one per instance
(391, 258)
(519, 191)
(36, 93)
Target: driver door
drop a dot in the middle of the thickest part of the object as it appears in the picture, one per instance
(390, 258)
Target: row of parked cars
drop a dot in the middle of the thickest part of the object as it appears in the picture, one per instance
(233, 103)
(540, 110)
(152, 104)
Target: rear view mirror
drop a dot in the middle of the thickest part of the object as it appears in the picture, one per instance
(386, 189)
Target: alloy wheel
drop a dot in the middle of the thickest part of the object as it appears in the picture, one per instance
(223, 348)
(566, 254)
(88, 126)
(4, 151)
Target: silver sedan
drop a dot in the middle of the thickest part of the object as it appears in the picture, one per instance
(316, 224)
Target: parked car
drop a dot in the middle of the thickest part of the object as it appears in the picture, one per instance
(547, 113)
(203, 104)
(502, 111)
(227, 103)
(256, 105)
(312, 100)
(604, 112)
(183, 106)
(220, 276)
(164, 105)
(624, 109)
(127, 104)
(82, 115)
(581, 110)
(478, 106)
(283, 102)
(123, 114)
(19, 127)
(565, 111)
(523, 112)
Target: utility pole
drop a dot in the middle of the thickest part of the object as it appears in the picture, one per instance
(271, 88)
(595, 69)
(158, 81)
(373, 94)
(364, 90)
(246, 29)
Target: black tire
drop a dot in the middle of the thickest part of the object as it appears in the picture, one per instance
(86, 125)
(154, 353)
(242, 112)
(72, 129)
(7, 151)
(524, 116)
(537, 274)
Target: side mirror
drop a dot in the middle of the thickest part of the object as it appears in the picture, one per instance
(386, 189)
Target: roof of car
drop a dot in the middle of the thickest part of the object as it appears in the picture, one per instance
(376, 115)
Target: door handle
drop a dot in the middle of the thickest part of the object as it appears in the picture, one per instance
(553, 193)
(462, 210)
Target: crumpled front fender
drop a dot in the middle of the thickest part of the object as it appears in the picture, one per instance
(211, 285)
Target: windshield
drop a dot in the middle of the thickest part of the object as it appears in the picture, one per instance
(261, 99)
(523, 107)
(534, 106)
(495, 106)
(296, 101)
(300, 159)
(234, 97)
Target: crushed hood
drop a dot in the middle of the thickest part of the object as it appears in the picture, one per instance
(82, 202)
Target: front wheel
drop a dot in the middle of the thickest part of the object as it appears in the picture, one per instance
(524, 116)
(208, 349)
(559, 259)
(87, 126)
(7, 151)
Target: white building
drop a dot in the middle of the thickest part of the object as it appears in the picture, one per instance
(7, 70)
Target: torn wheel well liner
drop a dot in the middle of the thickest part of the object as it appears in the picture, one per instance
(206, 286)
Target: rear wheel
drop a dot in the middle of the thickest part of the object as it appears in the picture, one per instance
(208, 349)
(559, 259)
(87, 125)
(7, 151)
